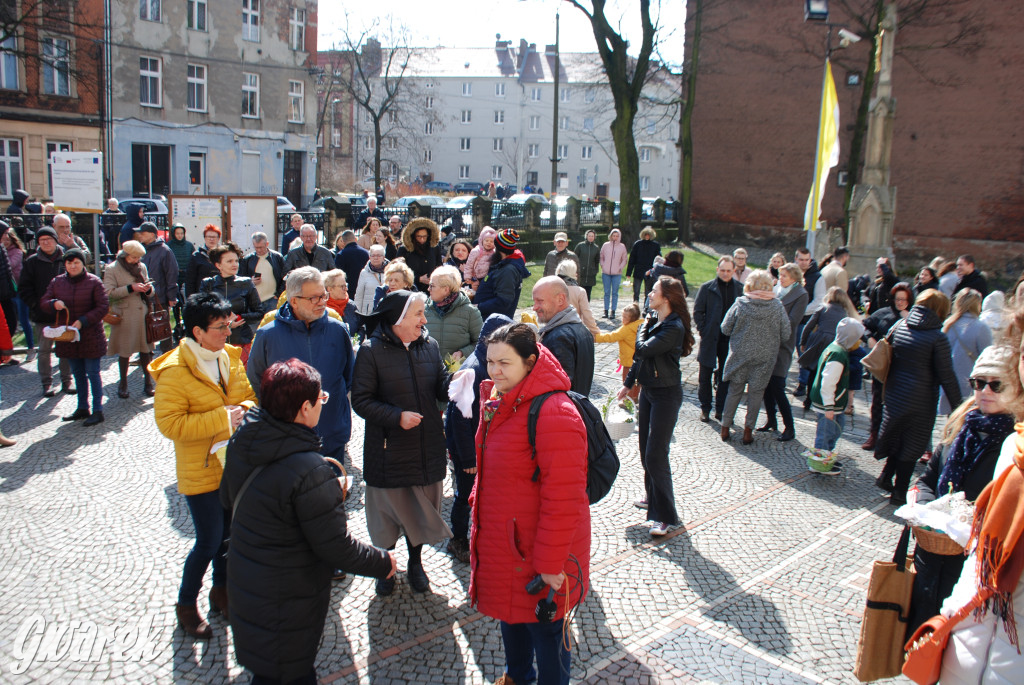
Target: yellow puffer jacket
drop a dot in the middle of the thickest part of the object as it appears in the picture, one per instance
(190, 410)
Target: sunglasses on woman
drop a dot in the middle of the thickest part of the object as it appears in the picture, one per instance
(980, 383)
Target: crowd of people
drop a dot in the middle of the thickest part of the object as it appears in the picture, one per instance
(274, 351)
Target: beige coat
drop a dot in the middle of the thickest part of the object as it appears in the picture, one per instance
(578, 299)
(129, 336)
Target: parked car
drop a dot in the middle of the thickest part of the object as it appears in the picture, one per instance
(285, 206)
(354, 200)
(469, 187)
(459, 202)
(432, 200)
(438, 186)
(152, 205)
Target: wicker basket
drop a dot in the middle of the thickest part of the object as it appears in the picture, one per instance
(618, 430)
(936, 542)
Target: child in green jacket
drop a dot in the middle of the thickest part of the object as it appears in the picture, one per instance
(830, 394)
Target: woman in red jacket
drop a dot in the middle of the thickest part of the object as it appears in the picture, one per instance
(530, 513)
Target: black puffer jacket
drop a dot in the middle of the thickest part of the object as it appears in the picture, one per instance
(245, 301)
(659, 346)
(422, 263)
(641, 257)
(288, 534)
(878, 324)
(573, 347)
(36, 273)
(389, 379)
(199, 268)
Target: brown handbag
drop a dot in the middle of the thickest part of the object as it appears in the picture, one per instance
(158, 320)
(878, 360)
(928, 643)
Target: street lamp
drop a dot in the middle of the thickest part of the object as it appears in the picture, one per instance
(816, 10)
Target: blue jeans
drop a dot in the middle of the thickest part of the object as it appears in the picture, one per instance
(88, 369)
(26, 323)
(460, 506)
(523, 641)
(828, 432)
(212, 523)
(611, 290)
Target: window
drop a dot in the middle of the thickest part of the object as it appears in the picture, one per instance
(9, 63)
(499, 144)
(563, 95)
(392, 117)
(197, 15)
(563, 151)
(393, 170)
(645, 154)
(196, 88)
(149, 10)
(589, 95)
(51, 147)
(428, 156)
(535, 94)
(56, 66)
(499, 116)
(588, 124)
(430, 102)
(250, 95)
(645, 183)
(368, 143)
(464, 144)
(10, 166)
(392, 142)
(428, 128)
(650, 127)
(563, 124)
(366, 117)
(499, 90)
(533, 150)
(430, 84)
(467, 89)
(531, 178)
(463, 171)
(297, 29)
(587, 152)
(335, 137)
(149, 81)
(496, 172)
(467, 116)
(535, 123)
(251, 20)
(296, 102)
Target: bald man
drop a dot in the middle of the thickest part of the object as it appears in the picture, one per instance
(564, 333)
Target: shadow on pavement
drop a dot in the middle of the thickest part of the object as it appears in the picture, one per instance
(403, 617)
(49, 454)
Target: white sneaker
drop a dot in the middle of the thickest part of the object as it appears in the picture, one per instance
(30, 356)
(659, 529)
(640, 504)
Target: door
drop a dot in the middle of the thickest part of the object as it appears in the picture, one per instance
(196, 173)
(293, 176)
(251, 172)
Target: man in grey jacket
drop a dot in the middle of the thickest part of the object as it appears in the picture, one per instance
(308, 253)
(564, 333)
(163, 271)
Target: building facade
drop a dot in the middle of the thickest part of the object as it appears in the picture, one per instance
(213, 97)
(50, 76)
(487, 114)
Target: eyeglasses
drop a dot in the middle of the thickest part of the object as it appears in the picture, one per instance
(980, 383)
(324, 396)
(315, 299)
(219, 327)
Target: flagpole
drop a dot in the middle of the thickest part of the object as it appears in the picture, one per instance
(811, 229)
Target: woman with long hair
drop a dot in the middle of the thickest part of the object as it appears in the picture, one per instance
(662, 340)
(387, 240)
(791, 293)
(878, 325)
(968, 337)
(370, 231)
(820, 330)
(613, 261)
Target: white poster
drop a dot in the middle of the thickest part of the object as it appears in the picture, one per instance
(78, 181)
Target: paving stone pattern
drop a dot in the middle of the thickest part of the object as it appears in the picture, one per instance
(764, 582)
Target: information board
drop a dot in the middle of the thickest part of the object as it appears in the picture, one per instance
(195, 212)
(78, 181)
(249, 214)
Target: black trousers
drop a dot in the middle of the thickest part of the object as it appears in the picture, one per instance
(876, 404)
(775, 396)
(709, 376)
(587, 289)
(658, 412)
(936, 576)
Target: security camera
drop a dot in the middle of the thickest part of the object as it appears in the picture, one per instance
(847, 37)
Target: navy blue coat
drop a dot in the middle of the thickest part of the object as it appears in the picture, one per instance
(326, 346)
(351, 260)
(499, 292)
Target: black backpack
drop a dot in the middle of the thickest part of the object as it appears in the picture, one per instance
(602, 461)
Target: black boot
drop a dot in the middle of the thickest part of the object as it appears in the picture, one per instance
(417, 576)
(149, 383)
(122, 385)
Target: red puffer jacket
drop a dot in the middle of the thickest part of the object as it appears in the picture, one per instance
(521, 527)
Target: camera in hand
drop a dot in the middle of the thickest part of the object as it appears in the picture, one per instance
(546, 608)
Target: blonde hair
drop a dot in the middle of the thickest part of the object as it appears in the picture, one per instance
(967, 301)
(934, 300)
(1013, 390)
(333, 275)
(758, 279)
(633, 310)
(566, 267)
(449, 277)
(401, 267)
(837, 295)
(793, 271)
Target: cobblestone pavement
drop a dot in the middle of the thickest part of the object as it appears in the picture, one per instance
(764, 582)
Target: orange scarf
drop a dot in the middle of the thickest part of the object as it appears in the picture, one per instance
(338, 306)
(997, 529)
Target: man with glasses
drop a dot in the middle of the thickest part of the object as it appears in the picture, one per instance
(308, 253)
(303, 329)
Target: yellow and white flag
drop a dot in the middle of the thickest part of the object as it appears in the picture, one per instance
(828, 148)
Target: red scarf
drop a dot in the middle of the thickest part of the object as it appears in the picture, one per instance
(338, 306)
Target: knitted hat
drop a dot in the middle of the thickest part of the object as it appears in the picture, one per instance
(507, 239)
(992, 361)
(147, 227)
(73, 253)
(46, 231)
(848, 332)
(4, 227)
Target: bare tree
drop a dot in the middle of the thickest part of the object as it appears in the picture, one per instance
(626, 78)
(513, 153)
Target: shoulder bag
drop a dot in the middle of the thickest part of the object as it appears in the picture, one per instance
(879, 358)
(927, 644)
(158, 320)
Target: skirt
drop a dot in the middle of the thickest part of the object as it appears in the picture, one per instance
(414, 511)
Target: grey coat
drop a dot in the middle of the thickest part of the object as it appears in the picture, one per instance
(795, 302)
(128, 337)
(819, 333)
(756, 330)
(163, 269)
(707, 315)
(323, 260)
(967, 338)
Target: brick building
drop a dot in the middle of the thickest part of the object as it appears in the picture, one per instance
(957, 156)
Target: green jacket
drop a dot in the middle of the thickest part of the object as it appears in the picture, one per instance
(459, 329)
(833, 353)
(589, 255)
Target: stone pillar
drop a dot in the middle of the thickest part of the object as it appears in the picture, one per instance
(572, 216)
(608, 214)
(481, 213)
(337, 220)
(659, 213)
(417, 209)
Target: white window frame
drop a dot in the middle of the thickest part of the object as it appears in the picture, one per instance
(499, 116)
(564, 95)
(195, 100)
(250, 91)
(563, 124)
(499, 90)
(428, 128)
(429, 102)
(251, 20)
(55, 75)
(463, 172)
(498, 144)
(335, 137)
(645, 154)
(369, 143)
(296, 102)
(645, 183)
(589, 95)
(465, 144)
(10, 77)
(533, 150)
(197, 20)
(588, 124)
(563, 152)
(534, 122)
(535, 95)
(428, 156)
(12, 167)
(467, 116)
(496, 172)
(149, 10)
(154, 79)
(392, 117)
(586, 152)
(297, 29)
(467, 89)
(392, 142)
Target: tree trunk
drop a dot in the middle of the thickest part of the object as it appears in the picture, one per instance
(686, 131)
(629, 169)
